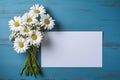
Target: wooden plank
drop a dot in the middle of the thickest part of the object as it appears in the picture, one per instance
(70, 15)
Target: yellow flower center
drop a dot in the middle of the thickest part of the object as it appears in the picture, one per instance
(34, 36)
(29, 20)
(16, 24)
(36, 11)
(26, 30)
(46, 21)
(21, 44)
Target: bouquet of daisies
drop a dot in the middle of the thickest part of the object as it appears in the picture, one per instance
(28, 32)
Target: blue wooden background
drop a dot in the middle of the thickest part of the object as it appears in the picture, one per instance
(70, 15)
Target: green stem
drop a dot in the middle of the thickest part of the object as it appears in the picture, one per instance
(23, 68)
(31, 65)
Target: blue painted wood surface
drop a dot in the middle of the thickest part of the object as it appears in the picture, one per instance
(70, 15)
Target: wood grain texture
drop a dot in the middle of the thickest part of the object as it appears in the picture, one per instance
(70, 15)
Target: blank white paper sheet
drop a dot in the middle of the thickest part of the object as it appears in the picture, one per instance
(72, 49)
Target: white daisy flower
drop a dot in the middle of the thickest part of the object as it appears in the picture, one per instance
(12, 36)
(20, 45)
(25, 31)
(15, 24)
(47, 21)
(29, 19)
(37, 10)
(35, 38)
